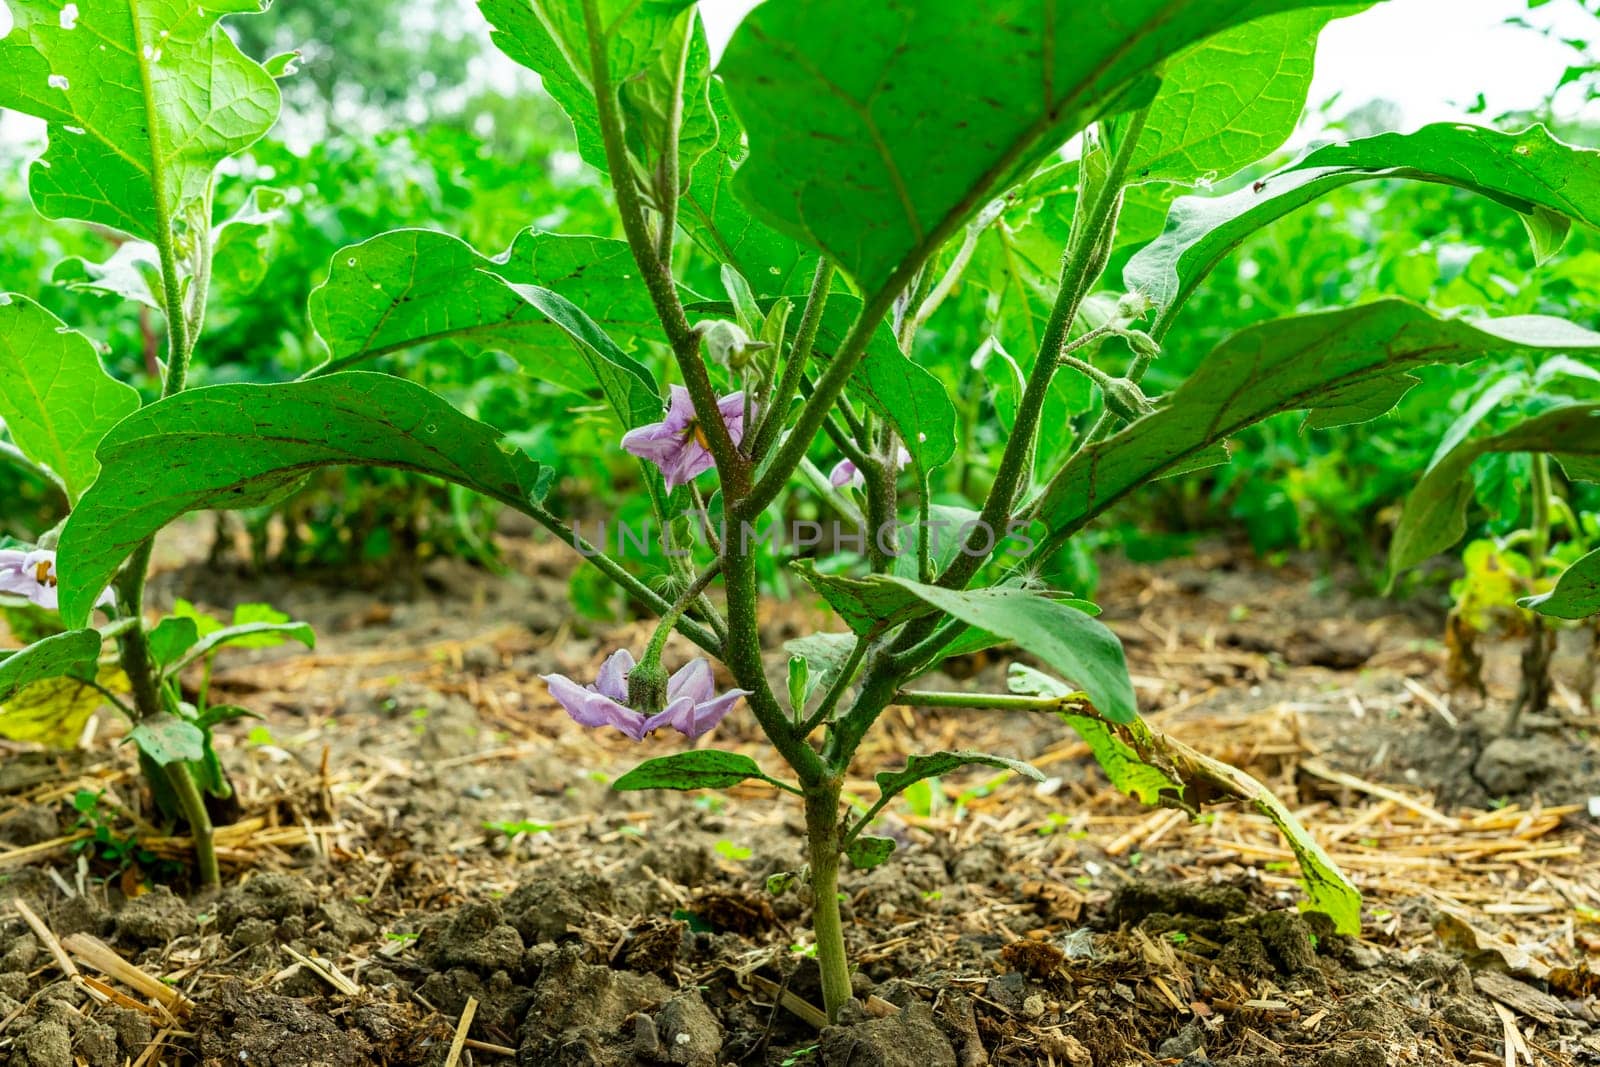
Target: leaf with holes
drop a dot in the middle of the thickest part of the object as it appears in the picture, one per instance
(408, 288)
(143, 102)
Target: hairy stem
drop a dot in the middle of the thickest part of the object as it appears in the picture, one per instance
(805, 339)
(732, 467)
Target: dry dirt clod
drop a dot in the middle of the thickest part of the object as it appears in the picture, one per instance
(908, 1039)
(154, 918)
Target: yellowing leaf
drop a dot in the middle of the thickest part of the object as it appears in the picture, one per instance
(52, 712)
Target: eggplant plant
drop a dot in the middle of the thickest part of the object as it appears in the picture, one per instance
(143, 108)
(841, 170)
(1546, 413)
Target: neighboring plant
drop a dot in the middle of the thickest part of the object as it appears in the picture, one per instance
(839, 169)
(143, 107)
(1523, 581)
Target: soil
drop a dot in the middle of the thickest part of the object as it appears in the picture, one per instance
(418, 828)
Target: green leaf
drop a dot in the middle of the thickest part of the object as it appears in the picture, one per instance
(718, 222)
(1577, 591)
(1232, 99)
(172, 637)
(221, 446)
(56, 398)
(1435, 513)
(703, 768)
(1127, 772)
(1158, 769)
(143, 101)
(1058, 632)
(866, 852)
(876, 145)
(253, 635)
(628, 386)
(414, 287)
(869, 605)
(646, 43)
(260, 612)
(71, 654)
(166, 738)
(917, 768)
(133, 271)
(1530, 172)
(1332, 362)
(825, 654)
(916, 402)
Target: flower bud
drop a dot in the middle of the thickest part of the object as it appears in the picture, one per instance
(1134, 305)
(1125, 400)
(728, 344)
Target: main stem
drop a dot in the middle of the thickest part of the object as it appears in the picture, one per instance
(133, 644)
(822, 837)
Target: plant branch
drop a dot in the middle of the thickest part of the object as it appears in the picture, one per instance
(805, 339)
(1079, 271)
(841, 682)
(619, 574)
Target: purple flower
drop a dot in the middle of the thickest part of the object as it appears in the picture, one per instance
(845, 473)
(693, 704)
(32, 575)
(677, 444)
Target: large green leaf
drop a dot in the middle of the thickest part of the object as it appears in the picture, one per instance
(1343, 366)
(1577, 591)
(1435, 514)
(1232, 99)
(1155, 768)
(1545, 180)
(876, 129)
(143, 101)
(56, 398)
(216, 447)
(1058, 632)
(771, 262)
(67, 654)
(647, 44)
(414, 287)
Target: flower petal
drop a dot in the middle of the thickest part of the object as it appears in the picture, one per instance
(706, 716)
(676, 714)
(593, 709)
(654, 442)
(693, 680)
(680, 409)
(845, 473)
(612, 680)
